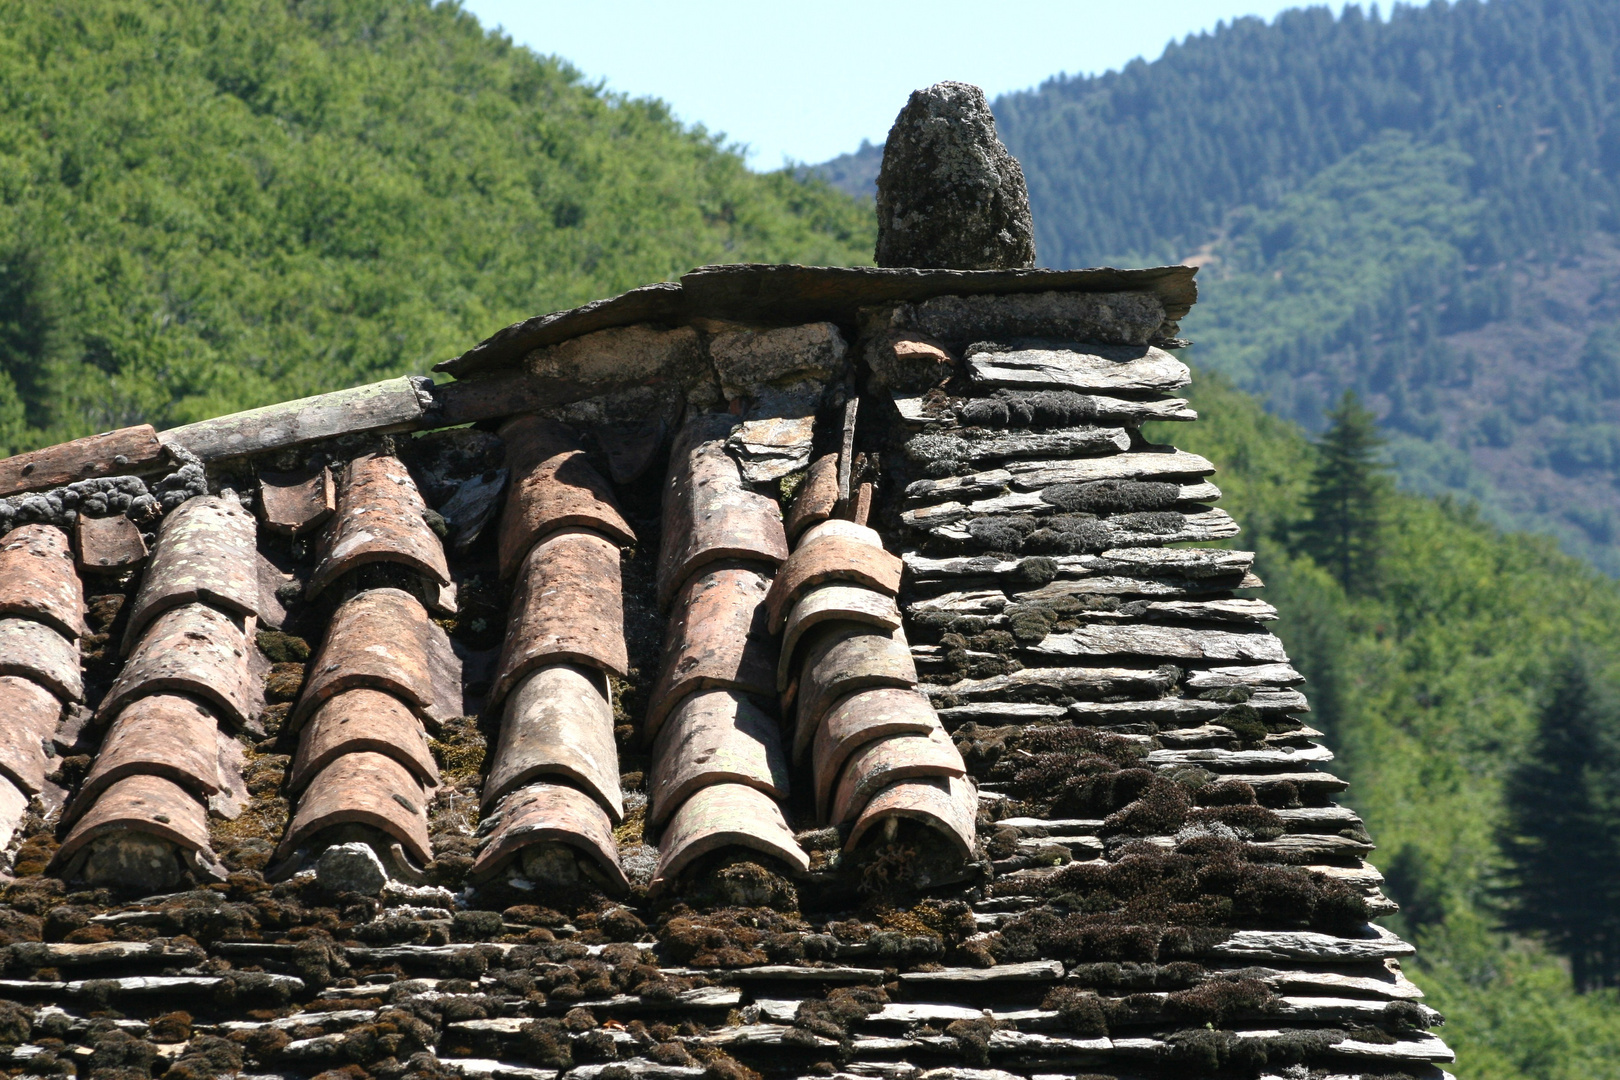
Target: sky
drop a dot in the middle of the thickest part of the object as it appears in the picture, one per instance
(807, 82)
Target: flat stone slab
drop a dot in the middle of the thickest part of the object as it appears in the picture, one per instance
(1168, 642)
(861, 718)
(554, 486)
(108, 545)
(362, 720)
(567, 607)
(830, 558)
(381, 639)
(816, 497)
(35, 651)
(708, 514)
(146, 804)
(550, 813)
(721, 816)
(832, 603)
(164, 735)
(874, 765)
(205, 554)
(363, 788)
(198, 650)
(295, 503)
(378, 519)
(716, 640)
(558, 723)
(1096, 368)
(37, 579)
(714, 737)
(840, 660)
(31, 715)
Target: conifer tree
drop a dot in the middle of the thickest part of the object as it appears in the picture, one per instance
(1348, 498)
(1562, 833)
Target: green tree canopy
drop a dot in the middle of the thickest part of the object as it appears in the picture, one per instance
(1346, 500)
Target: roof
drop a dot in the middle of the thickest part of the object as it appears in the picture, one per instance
(790, 670)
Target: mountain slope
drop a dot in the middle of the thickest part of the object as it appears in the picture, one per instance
(206, 207)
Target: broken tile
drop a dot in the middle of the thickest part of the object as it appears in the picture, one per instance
(860, 718)
(37, 580)
(381, 639)
(708, 514)
(472, 506)
(722, 816)
(948, 805)
(830, 558)
(558, 723)
(362, 719)
(35, 651)
(816, 497)
(566, 607)
(874, 765)
(718, 736)
(31, 714)
(205, 554)
(550, 813)
(294, 503)
(840, 660)
(824, 604)
(108, 545)
(140, 803)
(716, 640)
(863, 504)
(379, 519)
(554, 486)
(163, 735)
(193, 649)
(363, 788)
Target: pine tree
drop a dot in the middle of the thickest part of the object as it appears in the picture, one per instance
(1348, 498)
(1562, 833)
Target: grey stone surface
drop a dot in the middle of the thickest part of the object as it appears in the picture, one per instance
(949, 193)
(748, 360)
(1119, 318)
(136, 860)
(353, 868)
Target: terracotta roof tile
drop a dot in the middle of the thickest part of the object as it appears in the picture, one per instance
(108, 545)
(37, 579)
(31, 715)
(193, 649)
(554, 486)
(858, 719)
(839, 527)
(38, 652)
(205, 554)
(363, 788)
(13, 811)
(830, 558)
(357, 720)
(721, 816)
(558, 723)
(378, 519)
(141, 803)
(566, 606)
(949, 805)
(716, 639)
(294, 503)
(824, 604)
(874, 765)
(550, 813)
(164, 735)
(816, 497)
(842, 659)
(381, 639)
(708, 514)
(718, 736)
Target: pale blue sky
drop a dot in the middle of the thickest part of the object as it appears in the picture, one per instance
(808, 81)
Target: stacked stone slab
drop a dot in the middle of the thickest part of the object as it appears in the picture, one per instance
(552, 796)
(384, 676)
(193, 677)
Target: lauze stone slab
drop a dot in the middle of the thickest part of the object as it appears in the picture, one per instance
(841, 660)
(364, 788)
(721, 816)
(295, 503)
(379, 519)
(946, 804)
(37, 580)
(875, 765)
(554, 486)
(357, 720)
(1082, 367)
(378, 639)
(830, 558)
(164, 735)
(558, 723)
(205, 554)
(716, 640)
(36, 651)
(862, 717)
(28, 717)
(550, 813)
(193, 649)
(719, 736)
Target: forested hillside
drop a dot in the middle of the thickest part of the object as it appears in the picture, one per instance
(206, 207)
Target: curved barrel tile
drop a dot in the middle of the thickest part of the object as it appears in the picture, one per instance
(716, 640)
(141, 803)
(841, 660)
(721, 816)
(362, 720)
(554, 486)
(558, 722)
(844, 529)
(364, 788)
(830, 558)
(816, 497)
(38, 581)
(719, 736)
(874, 765)
(29, 715)
(295, 503)
(948, 805)
(164, 735)
(828, 604)
(379, 639)
(862, 717)
(205, 554)
(35, 651)
(196, 650)
(379, 519)
(567, 608)
(708, 514)
(550, 813)
(13, 809)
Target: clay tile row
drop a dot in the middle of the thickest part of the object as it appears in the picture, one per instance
(714, 737)
(558, 723)
(143, 818)
(716, 638)
(31, 714)
(362, 720)
(843, 658)
(947, 805)
(554, 486)
(379, 518)
(165, 735)
(363, 788)
(723, 816)
(541, 826)
(38, 581)
(39, 652)
(826, 556)
(195, 649)
(816, 498)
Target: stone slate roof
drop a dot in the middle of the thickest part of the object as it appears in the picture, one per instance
(789, 672)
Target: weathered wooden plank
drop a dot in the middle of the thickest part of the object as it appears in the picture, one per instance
(140, 803)
(721, 816)
(1088, 368)
(379, 519)
(112, 453)
(716, 640)
(193, 649)
(473, 505)
(400, 404)
(294, 503)
(554, 486)
(31, 714)
(846, 451)
(877, 764)
(164, 735)
(543, 813)
(37, 579)
(362, 720)
(945, 804)
(363, 788)
(488, 397)
(816, 497)
(841, 660)
(828, 604)
(205, 554)
(829, 558)
(558, 723)
(108, 545)
(860, 718)
(719, 736)
(1169, 642)
(35, 651)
